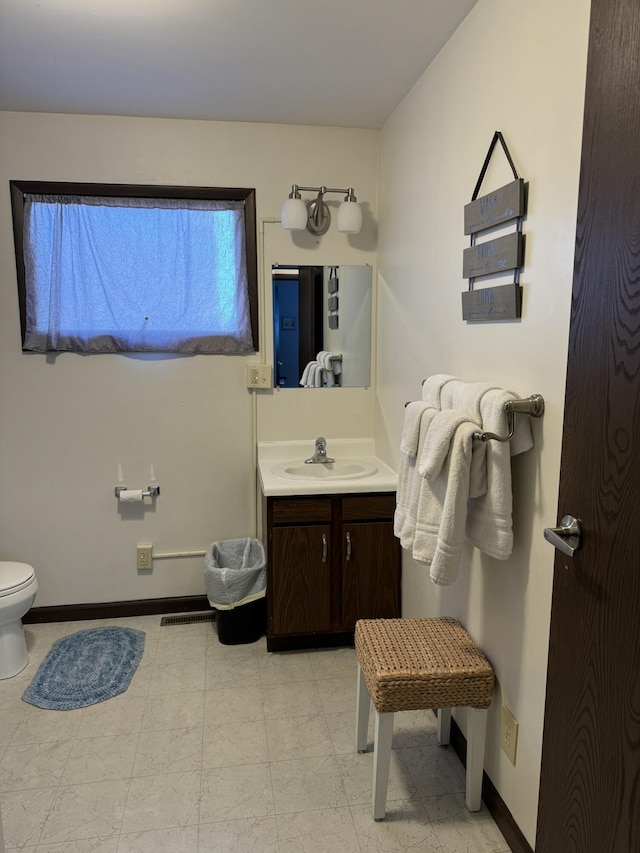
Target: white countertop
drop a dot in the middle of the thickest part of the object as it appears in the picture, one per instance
(272, 453)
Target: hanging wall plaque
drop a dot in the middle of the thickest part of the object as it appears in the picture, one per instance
(497, 255)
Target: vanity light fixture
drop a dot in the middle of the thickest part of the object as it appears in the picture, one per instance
(314, 215)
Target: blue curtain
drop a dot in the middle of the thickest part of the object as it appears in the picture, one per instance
(135, 274)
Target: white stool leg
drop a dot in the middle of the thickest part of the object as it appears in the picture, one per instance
(476, 734)
(362, 712)
(444, 726)
(381, 761)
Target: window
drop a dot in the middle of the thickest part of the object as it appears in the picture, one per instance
(117, 268)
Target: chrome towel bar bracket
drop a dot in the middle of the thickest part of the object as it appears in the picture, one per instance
(533, 406)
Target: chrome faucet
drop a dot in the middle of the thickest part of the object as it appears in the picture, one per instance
(320, 454)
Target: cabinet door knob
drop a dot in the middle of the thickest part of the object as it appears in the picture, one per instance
(324, 548)
(348, 546)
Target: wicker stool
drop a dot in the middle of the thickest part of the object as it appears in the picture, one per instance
(413, 664)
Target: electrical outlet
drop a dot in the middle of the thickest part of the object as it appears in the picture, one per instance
(508, 734)
(259, 376)
(144, 557)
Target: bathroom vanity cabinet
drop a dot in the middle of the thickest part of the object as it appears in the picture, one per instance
(331, 559)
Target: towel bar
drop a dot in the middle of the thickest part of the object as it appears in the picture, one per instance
(532, 405)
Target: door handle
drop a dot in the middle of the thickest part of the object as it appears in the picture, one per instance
(348, 537)
(324, 547)
(567, 537)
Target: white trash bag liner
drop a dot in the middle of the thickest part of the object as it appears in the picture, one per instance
(235, 572)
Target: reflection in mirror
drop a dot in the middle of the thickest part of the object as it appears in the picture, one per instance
(322, 326)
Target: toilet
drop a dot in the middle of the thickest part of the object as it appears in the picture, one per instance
(18, 587)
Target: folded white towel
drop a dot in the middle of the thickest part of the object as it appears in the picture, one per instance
(411, 427)
(316, 375)
(439, 437)
(306, 374)
(489, 517)
(324, 360)
(460, 402)
(328, 362)
(464, 395)
(446, 560)
(409, 486)
(441, 517)
(432, 388)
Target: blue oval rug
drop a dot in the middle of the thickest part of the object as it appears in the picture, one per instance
(85, 668)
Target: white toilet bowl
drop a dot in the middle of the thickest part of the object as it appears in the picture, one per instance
(18, 587)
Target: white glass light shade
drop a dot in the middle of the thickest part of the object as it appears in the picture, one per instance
(294, 214)
(349, 218)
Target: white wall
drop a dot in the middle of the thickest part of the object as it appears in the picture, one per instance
(518, 68)
(67, 423)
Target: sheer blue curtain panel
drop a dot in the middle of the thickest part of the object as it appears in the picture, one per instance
(106, 274)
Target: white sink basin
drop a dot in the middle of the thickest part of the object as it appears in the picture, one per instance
(341, 469)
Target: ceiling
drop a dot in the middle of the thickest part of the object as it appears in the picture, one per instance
(320, 62)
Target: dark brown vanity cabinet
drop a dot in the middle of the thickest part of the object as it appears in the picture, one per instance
(330, 560)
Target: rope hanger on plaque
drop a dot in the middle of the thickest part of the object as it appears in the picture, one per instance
(496, 255)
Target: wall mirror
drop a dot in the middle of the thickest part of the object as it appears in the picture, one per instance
(321, 326)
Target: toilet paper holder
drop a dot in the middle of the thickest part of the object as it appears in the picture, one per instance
(152, 491)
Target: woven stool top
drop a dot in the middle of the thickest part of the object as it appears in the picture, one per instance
(422, 663)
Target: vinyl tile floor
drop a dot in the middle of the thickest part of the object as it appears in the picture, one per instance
(222, 748)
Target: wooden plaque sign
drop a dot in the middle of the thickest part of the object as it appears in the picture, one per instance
(497, 255)
(503, 253)
(493, 303)
(501, 205)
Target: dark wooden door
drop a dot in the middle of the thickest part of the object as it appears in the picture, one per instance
(370, 572)
(590, 781)
(301, 579)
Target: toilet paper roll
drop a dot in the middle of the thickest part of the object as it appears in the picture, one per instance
(130, 496)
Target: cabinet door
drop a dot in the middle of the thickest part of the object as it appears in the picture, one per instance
(370, 572)
(301, 579)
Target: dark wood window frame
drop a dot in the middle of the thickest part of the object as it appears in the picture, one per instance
(246, 195)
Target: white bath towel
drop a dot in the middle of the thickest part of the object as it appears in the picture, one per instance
(409, 486)
(330, 365)
(460, 402)
(306, 379)
(324, 359)
(432, 388)
(327, 370)
(464, 395)
(442, 506)
(489, 517)
(411, 427)
(438, 443)
(316, 375)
